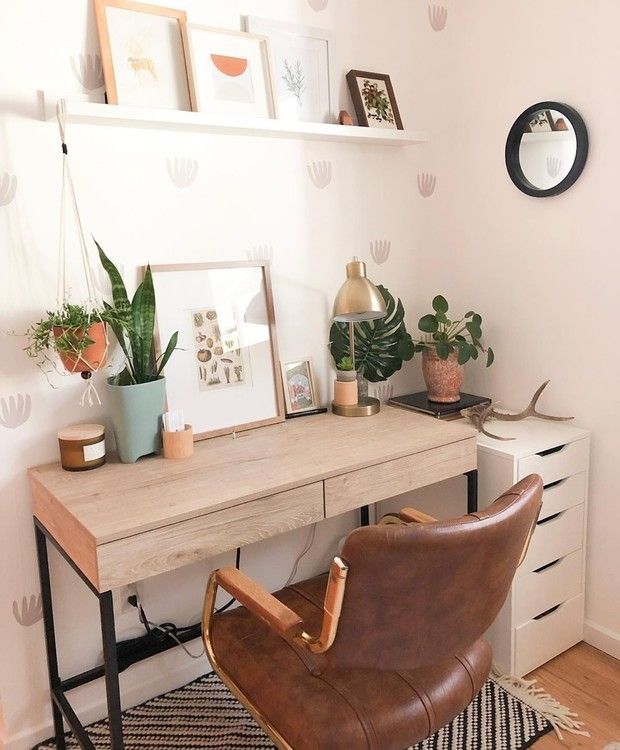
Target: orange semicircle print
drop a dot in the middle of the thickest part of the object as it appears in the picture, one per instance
(230, 66)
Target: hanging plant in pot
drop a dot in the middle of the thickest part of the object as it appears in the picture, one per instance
(76, 333)
(446, 349)
(137, 393)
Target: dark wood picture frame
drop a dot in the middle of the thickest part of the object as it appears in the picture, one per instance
(358, 102)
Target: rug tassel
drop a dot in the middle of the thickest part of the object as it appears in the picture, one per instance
(559, 716)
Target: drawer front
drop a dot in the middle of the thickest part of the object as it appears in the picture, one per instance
(538, 641)
(553, 538)
(392, 478)
(564, 494)
(542, 589)
(153, 552)
(571, 459)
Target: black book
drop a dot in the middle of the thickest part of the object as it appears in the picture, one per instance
(419, 402)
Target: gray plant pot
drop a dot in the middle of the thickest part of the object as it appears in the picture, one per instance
(136, 411)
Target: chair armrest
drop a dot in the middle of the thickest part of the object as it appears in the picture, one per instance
(260, 602)
(412, 515)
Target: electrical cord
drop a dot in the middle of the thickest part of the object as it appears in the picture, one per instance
(302, 554)
(169, 629)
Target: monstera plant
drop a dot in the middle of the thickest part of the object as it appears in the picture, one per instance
(381, 346)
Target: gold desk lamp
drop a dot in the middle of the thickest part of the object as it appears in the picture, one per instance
(358, 299)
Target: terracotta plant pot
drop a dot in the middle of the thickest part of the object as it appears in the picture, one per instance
(443, 377)
(93, 357)
(345, 388)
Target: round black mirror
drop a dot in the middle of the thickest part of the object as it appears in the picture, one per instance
(547, 149)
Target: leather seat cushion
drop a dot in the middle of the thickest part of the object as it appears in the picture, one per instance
(343, 709)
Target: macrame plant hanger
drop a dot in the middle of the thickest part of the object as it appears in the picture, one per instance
(90, 395)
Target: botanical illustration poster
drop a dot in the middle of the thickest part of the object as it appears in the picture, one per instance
(149, 59)
(219, 360)
(301, 69)
(299, 387)
(377, 104)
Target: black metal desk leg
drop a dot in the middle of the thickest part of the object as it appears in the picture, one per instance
(365, 515)
(472, 491)
(50, 634)
(108, 635)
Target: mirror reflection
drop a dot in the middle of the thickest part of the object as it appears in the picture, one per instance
(548, 148)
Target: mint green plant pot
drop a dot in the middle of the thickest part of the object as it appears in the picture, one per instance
(136, 411)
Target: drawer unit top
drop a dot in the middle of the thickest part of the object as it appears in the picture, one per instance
(531, 436)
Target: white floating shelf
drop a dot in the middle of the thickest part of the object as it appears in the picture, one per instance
(95, 113)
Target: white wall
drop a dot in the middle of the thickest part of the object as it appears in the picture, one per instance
(545, 271)
(248, 193)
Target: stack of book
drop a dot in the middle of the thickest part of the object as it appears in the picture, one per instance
(419, 402)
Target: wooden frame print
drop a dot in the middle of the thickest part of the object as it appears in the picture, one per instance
(144, 64)
(225, 373)
(299, 386)
(374, 100)
(232, 72)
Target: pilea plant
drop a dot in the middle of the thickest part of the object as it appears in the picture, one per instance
(447, 336)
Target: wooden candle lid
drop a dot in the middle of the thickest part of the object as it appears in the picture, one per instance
(81, 432)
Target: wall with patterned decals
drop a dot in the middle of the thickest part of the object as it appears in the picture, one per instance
(149, 195)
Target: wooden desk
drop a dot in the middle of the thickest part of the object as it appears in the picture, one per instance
(123, 523)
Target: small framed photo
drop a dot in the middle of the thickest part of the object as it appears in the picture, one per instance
(232, 72)
(145, 55)
(374, 100)
(299, 387)
(224, 374)
(303, 69)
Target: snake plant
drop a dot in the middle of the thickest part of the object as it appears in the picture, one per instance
(134, 325)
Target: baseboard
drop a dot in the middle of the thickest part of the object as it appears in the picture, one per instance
(132, 695)
(602, 638)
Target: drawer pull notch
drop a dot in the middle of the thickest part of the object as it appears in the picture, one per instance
(547, 612)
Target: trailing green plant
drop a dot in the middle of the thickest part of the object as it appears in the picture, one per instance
(73, 321)
(381, 346)
(447, 336)
(133, 327)
(345, 364)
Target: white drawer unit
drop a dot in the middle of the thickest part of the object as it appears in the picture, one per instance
(544, 612)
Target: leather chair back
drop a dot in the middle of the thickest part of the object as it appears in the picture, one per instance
(418, 594)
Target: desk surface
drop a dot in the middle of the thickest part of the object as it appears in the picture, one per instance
(120, 501)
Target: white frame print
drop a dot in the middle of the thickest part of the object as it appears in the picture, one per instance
(232, 72)
(290, 45)
(225, 374)
(286, 369)
(145, 54)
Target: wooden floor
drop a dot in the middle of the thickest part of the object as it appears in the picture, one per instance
(588, 682)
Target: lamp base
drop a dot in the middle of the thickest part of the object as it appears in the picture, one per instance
(365, 408)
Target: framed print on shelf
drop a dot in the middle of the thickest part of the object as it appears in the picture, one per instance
(374, 100)
(225, 373)
(303, 62)
(299, 389)
(232, 72)
(145, 55)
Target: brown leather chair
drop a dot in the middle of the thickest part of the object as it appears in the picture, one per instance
(399, 619)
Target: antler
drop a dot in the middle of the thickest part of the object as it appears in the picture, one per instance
(530, 410)
(478, 415)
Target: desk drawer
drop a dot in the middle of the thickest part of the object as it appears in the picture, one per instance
(564, 494)
(568, 460)
(153, 552)
(538, 641)
(537, 592)
(553, 538)
(393, 478)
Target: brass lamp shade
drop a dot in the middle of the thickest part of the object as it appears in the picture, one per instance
(358, 298)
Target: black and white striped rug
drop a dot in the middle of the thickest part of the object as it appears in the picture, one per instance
(205, 716)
